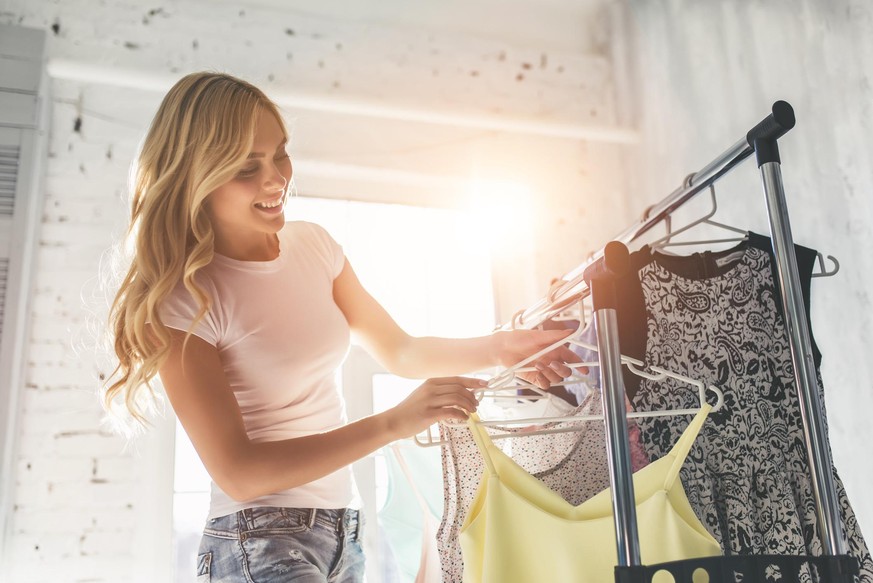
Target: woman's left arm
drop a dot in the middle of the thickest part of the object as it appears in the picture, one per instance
(428, 356)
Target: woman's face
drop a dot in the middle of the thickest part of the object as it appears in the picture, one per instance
(252, 203)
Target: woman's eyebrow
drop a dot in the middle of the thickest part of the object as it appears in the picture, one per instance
(261, 154)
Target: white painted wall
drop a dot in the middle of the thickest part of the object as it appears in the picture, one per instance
(88, 508)
(706, 72)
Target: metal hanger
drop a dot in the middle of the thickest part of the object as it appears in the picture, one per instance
(667, 240)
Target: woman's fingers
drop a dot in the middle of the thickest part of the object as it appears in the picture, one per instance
(543, 382)
(435, 400)
(547, 337)
(445, 413)
(563, 353)
(455, 391)
(537, 378)
(556, 361)
(549, 374)
(466, 402)
(560, 368)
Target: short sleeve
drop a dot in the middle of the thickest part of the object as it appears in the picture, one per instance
(328, 248)
(180, 308)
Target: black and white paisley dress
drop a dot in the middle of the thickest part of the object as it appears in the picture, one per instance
(717, 317)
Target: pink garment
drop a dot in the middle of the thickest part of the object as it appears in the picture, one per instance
(281, 339)
(429, 561)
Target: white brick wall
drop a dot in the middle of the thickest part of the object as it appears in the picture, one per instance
(87, 502)
(88, 506)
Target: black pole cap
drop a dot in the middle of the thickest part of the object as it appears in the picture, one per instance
(614, 263)
(763, 136)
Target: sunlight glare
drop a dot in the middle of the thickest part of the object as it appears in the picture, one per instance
(500, 213)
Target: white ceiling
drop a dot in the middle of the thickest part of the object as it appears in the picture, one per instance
(549, 25)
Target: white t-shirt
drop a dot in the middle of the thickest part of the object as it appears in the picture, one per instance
(281, 339)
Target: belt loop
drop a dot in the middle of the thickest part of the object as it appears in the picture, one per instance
(342, 522)
(312, 512)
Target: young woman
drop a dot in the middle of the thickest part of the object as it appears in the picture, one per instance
(246, 319)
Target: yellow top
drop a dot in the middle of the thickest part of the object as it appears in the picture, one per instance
(520, 531)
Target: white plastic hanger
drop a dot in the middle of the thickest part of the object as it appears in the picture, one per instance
(506, 385)
(577, 312)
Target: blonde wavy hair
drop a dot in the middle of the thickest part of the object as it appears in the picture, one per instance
(198, 140)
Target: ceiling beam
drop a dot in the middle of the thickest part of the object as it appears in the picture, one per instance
(78, 71)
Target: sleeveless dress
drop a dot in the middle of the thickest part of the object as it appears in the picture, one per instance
(571, 464)
(520, 531)
(717, 317)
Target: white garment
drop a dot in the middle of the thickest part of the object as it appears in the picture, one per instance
(549, 406)
(281, 339)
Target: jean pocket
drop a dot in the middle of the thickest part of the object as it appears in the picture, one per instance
(273, 556)
(204, 567)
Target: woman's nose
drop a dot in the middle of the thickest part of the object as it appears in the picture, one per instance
(275, 181)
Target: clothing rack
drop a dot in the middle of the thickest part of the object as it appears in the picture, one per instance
(596, 278)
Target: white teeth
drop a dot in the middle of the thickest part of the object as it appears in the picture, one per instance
(268, 205)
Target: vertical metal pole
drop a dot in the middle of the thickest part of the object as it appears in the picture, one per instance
(824, 490)
(615, 422)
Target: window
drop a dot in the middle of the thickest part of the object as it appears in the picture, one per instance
(433, 278)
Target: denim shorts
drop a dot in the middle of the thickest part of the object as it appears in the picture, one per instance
(272, 544)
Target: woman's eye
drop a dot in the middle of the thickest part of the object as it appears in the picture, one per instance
(247, 172)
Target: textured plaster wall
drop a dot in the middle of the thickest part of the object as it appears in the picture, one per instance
(706, 72)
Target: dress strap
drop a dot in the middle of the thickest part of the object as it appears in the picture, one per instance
(683, 446)
(483, 441)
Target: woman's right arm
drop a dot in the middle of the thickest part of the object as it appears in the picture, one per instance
(208, 411)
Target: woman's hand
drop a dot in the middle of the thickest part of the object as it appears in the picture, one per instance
(435, 400)
(512, 346)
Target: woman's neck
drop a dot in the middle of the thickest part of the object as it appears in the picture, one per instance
(264, 247)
